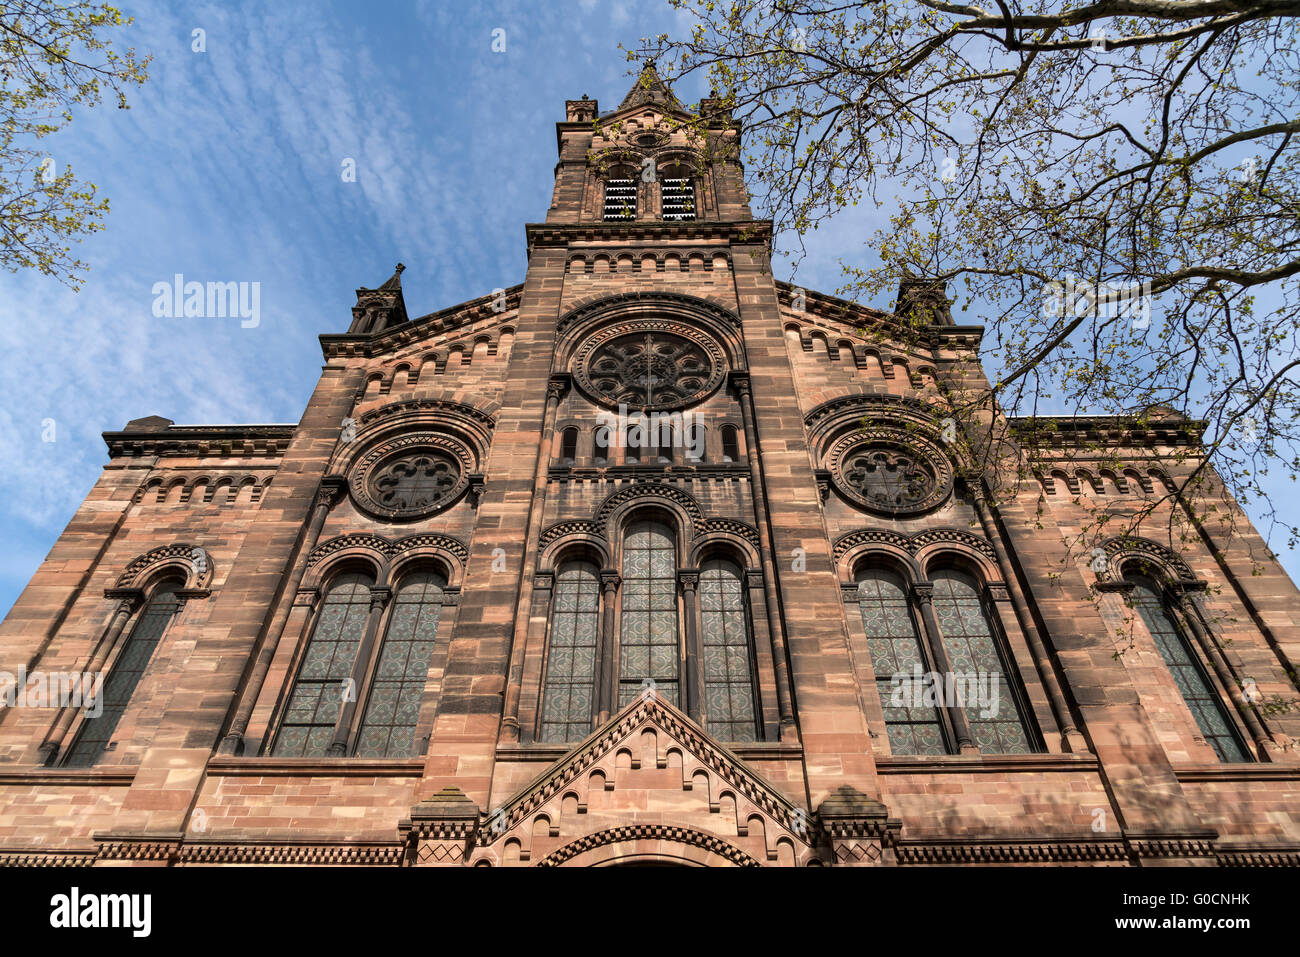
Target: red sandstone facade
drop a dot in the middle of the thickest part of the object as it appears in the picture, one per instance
(642, 654)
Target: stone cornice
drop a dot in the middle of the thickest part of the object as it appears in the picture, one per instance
(1080, 431)
(225, 441)
(757, 231)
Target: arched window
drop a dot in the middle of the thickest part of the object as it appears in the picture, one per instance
(726, 664)
(695, 443)
(648, 647)
(664, 448)
(401, 671)
(730, 444)
(1193, 682)
(600, 445)
(632, 451)
(895, 649)
(94, 734)
(996, 720)
(569, 446)
(569, 685)
(307, 728)
(677, 194)
(620, 196)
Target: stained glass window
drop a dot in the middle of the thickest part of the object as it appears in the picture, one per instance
(895, 648)
(94, 734)
(725, 653)
(316, 699)
(402, 671)
(569, 690)
(1194, 684)
(991, 707)
(648, 647)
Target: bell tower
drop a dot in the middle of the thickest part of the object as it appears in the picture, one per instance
(647, 161)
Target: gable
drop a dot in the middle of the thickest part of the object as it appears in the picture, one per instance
(651, 782)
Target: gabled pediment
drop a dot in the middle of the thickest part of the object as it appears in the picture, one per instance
(649, 783)
(443, 328)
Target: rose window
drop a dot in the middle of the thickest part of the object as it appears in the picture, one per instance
(651, 370)
(413, 482)
(889, 478)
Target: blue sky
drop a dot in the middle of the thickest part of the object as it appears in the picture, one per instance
(228, 168)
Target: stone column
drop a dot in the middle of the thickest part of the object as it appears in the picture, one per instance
(128, 600)
(1071, 738)
(688, 580)
(534, 664)
(1190, 610)
(556, 387)
(607, 646)
(776, 625)
(379, 597)
(923, 595)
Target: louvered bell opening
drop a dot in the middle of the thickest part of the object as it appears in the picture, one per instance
(620, 199)
(678, 199)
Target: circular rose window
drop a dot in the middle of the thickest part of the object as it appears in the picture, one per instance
(653, 369)
(889, 478)
(411, 477)
(414, 481)
(890, 470)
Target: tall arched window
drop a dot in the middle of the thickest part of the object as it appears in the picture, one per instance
(1195, 685)
(895, 649)
(997, 725)
(307, 728)
(730, 445)
(726, 664)
(569, 685)
(94, 734)
(648, 647)
(600, 445)
(401, 670)
(569, 446)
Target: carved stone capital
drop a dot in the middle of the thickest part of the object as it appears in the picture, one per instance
(740, 382)
(923, 592)
(379, 596)
(331, 490)
(129, 599)
(610, 580)
(688, 579)
(544, 581)
(476, 485)
(306, 598)
(754, 577)
(557, 386)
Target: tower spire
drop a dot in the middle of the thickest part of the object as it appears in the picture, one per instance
(650, 88)
(382, 308)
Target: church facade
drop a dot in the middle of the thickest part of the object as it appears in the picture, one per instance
(649, 559)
